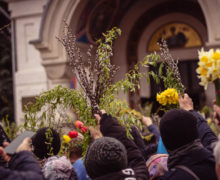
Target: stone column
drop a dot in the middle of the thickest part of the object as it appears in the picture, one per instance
(29, 76)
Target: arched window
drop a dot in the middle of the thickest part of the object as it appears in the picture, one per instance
(177, 35)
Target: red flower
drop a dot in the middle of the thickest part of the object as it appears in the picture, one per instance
(83, 129)
(73, 134)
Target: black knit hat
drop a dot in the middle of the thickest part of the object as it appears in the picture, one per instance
(178, 128)
(105, 155)
(46, 142)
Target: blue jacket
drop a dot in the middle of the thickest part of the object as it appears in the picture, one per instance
(161, 148)
(201, 162)
(153, 129)
(22, 166)
(80, 170)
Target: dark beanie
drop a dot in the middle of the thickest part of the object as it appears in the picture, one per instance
(178, 127)
(46, 142)
(105, 155)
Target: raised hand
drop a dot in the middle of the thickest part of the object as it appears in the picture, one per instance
(186, 102)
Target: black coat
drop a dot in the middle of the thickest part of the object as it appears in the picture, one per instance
(22, 166)
(201, 162)
(136, 165)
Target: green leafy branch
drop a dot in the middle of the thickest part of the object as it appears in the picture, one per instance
(98, 92)
(168, 72)
(42, 112)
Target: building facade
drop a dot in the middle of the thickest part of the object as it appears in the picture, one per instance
(40, 62)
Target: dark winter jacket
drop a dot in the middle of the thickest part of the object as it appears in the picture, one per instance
(146, 150)
(139, 142)
(206, 135)
(136, 165)
(153, 129)
(201, 161)
(22, 166)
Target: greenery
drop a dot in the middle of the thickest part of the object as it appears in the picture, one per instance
(45, 111)
(10, 128)
(167, 74)
(98, 90)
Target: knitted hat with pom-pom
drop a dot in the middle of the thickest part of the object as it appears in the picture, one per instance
(105, 155)
(46, 142)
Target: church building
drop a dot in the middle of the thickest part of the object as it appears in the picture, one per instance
(40, 61)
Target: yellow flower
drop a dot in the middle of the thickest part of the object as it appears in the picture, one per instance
(66, 138)
(209, 120)
(209, 66)
(216, 55)
(204, 71)
(204, 59)
(169, 96)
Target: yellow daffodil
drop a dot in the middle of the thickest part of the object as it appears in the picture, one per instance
(204, 59)
(216, 55)
(66, 138)
(169, 96)
(209, 66)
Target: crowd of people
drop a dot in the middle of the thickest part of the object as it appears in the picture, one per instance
(183, 148)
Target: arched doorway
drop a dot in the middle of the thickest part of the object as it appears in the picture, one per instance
(185, 31)
(135, 18)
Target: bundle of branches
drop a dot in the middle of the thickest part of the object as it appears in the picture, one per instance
(94, 74)
(168, 71)
(171, 67)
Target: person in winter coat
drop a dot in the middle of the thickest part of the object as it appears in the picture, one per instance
(46, 142)
(216, 109)
(217, 158)
(147, 121)
(114, 156)
(22, 165)
(188, 140)
(58, 168)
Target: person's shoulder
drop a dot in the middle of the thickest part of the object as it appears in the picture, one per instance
(127, 173)
(176, 174)
(79, 164)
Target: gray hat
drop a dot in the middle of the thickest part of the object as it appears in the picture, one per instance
(58, 168)
(105, 155)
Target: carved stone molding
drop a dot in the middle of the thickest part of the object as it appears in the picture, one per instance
(52, 53)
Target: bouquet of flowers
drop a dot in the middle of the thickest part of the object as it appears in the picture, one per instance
(209, 69)
(168, 97)
(167, 74)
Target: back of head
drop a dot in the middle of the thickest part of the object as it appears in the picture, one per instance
(46, 142)
(178, 127)
(58, 168)
(75, 149)
(105, 155)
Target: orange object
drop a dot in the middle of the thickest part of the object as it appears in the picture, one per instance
(79, 124)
